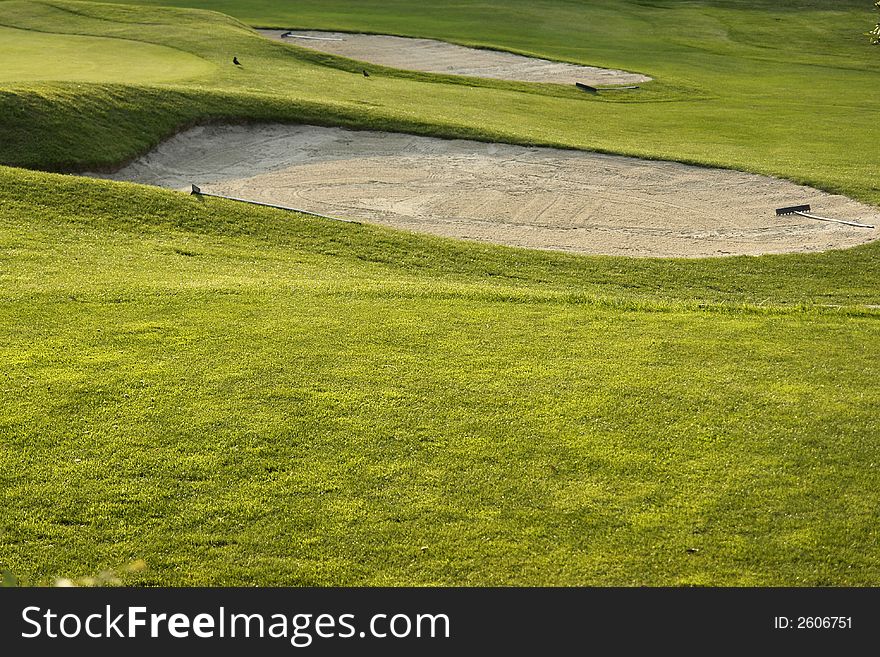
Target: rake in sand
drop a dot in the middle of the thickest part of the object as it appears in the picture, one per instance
(197, 191)
(804, 211)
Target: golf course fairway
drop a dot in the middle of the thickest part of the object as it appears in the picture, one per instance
(228, 394)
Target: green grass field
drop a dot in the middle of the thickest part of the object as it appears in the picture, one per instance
(244, 396)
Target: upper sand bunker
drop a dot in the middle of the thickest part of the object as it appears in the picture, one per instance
(440, 57)
(539, 198)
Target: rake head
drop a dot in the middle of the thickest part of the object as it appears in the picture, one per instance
(195, 190)
(792, 209)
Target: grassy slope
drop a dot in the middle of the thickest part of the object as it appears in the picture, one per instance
(245, 396)
(240, 396)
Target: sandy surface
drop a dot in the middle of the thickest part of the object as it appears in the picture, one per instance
(441, 57)
(531, 197)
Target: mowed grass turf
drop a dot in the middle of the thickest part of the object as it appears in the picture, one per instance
(34, 56)
(245, 396)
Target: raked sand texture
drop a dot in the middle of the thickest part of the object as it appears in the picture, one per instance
(434, 56)
(538, 198)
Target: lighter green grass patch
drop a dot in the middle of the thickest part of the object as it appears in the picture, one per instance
(32, 56)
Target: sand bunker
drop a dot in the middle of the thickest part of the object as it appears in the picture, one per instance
(539, 198)
(441, 57)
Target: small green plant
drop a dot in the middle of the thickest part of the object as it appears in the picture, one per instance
(8, 579)
(875, 33)
(110, 577)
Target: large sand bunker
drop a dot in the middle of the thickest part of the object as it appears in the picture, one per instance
(540, 198)
(441, 57)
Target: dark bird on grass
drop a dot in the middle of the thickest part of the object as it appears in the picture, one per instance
(366, 75)
(235, 61)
